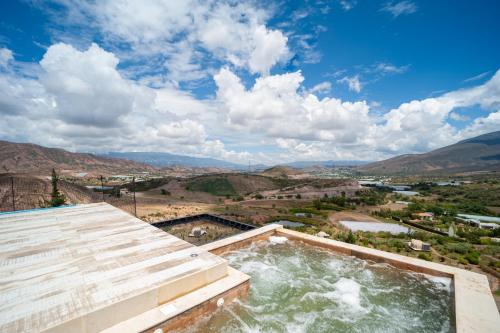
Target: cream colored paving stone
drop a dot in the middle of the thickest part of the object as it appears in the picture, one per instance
(88, 267)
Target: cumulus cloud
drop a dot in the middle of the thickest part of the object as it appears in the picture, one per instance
(400, 8)
(184, 132)
(237, 34)
(81, 101)
(307, 126)
(275, 107)
(86, 86)
(185, 33)
(352, 82)
(406, 126)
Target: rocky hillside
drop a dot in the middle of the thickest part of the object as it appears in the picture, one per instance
(281, 171)
(480, 153)
(31, 158)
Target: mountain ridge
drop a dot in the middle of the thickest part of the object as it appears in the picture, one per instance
(162, 159)
(480, 153)
(29, 157)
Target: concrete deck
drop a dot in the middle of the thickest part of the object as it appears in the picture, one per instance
(86, 268)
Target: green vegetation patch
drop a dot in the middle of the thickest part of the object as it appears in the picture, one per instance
(219, 186)
(146, 185)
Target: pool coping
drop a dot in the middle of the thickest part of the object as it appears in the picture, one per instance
(475, 307)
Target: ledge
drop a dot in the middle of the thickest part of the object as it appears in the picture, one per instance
(163, 315)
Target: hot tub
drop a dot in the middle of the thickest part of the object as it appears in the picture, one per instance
(297, 287)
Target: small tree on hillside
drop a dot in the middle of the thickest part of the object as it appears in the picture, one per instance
(56, 198)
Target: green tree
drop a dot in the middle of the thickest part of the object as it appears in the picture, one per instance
(56, 198)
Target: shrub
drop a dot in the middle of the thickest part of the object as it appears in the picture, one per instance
(397, 243)
(472, 257)
(425, 256)
(460, 248)
(462, 260)
(350, 238)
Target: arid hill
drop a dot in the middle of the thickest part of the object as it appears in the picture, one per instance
(480, 153)
(231, 184)
(281, 171)
(31, 158)
(31, 192)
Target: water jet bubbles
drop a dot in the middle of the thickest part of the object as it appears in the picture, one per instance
(277, 239)
(220, 302)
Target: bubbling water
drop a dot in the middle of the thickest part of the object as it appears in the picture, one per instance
(302, 288)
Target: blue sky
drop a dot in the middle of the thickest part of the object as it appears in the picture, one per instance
(268, 82)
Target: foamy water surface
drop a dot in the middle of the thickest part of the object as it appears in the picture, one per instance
(301, 288)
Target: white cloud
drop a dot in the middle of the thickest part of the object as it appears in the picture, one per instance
(5, 57)
(386, 68)
(307, 126)
(411, 126)
(183, 132)
(274, 107)
(477, 77)
(352, 82)
(270, 47)
(458, 117)
(348, 4)
(482, 125)
(323, 87)
(82, 102)
(400, 8)
(87, 88)
(184, 33)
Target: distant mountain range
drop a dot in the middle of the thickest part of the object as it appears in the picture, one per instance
(324, 164)
(167, 159)
(31, 158)
(162, 160)
(480, 153)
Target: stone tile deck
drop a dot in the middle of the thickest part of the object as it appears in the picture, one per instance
(88, 267)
